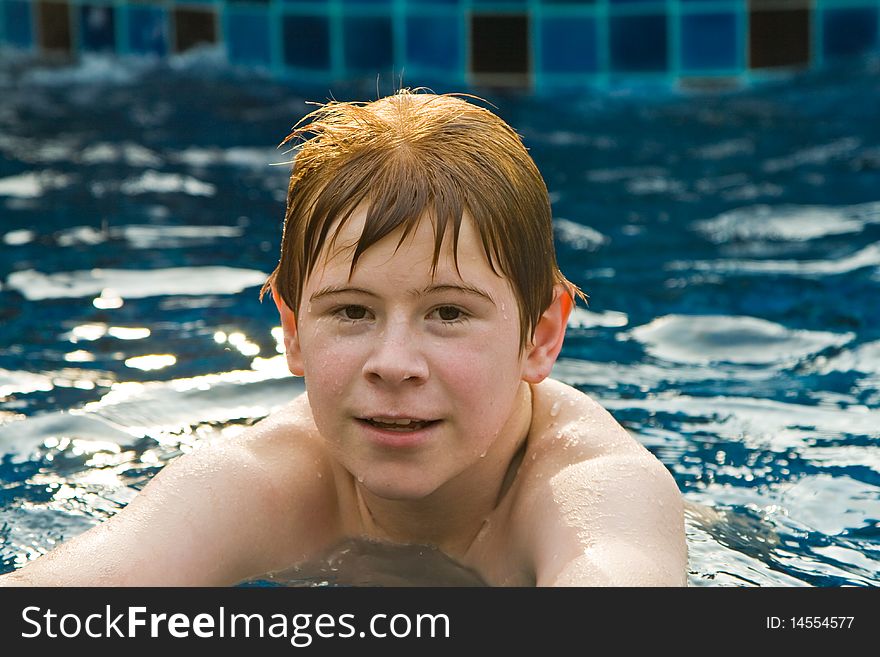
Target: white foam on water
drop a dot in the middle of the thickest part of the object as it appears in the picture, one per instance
(239, 156)
(153, 181)
(80, 235)
(868, 256)
(624, 173)
(146, 236)
(790, 223)
(759, 423)
(864, 358)
(134, 283)
(703, 339)
(33, 184)
(581, 318)
(724, 149)
(12, 382)
(578, 236)
(19, 237)
(855, 503)
(820, 154)
(128, 153)
(91, 68)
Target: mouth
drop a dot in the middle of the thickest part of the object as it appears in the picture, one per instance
(400, 425)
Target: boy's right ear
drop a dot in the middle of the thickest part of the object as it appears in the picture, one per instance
(291, 336)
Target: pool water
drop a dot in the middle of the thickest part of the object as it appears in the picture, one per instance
(729, 242)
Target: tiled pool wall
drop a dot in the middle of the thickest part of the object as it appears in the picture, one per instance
(532, 44)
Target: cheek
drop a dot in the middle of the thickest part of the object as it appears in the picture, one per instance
(484, 377)
(329, 363)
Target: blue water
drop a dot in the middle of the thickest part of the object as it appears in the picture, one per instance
(730, 245)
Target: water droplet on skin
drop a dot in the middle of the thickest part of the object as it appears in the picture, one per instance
(360, 479)
(320, 476)
(554, 410)
(483, 455)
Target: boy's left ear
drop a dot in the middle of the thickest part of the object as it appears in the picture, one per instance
(549, 334)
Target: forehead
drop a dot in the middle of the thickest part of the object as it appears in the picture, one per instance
(411, 257)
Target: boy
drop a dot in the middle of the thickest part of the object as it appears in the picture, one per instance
(420, 298)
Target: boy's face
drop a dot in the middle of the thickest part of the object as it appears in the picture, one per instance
(395, 344)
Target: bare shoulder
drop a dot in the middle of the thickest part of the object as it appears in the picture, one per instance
(231, 509)
(594, 506)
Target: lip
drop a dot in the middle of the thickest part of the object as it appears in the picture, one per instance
(397, 439)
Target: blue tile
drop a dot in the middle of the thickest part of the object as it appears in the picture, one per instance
(147, 30)
(638, 43)
(96, 24)
(490, 3)
(366, 2)
(568, 3)
(306, 42)
(247, 37)
(708, 41)
(434, 42)
(417, 3)
(19, 23)
(568, 45)
(368, 43)
(849, 31)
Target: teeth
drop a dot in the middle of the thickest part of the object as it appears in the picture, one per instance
(400, 423)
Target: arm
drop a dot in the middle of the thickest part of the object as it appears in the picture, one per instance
(227, 511)
(614, 520)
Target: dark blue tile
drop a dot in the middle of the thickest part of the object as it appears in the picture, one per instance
(366, 2)
(368, 43)
(849, 31)
(709, 41)
(638, 43)
(97, 31)
(490, 3)
(434, 42)
(568, 45)
(147, 30)
(568, 3)
(306, 42)
(247, 37)
(19, 23)
(431, 3)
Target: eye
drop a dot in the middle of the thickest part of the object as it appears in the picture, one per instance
(353, 312)
(449, 313)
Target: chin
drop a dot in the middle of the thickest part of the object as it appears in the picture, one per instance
(399, 488)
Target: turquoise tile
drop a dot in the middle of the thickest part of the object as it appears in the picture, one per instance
(147, 30)
(568, 45)
(709, 41)
(434, 42)
(247, 36)
(19, 23)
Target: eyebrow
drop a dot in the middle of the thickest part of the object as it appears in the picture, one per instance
(430, 289)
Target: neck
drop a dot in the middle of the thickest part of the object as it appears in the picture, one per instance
(451, 517)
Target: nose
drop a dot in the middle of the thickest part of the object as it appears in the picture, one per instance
(396, 358)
